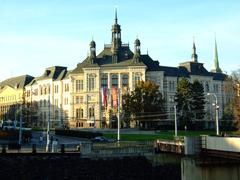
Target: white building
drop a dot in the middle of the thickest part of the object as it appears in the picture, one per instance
(87, 96)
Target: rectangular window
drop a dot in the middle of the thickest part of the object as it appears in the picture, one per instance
(81, 113)
(78, 113)
(65, 101)
(56, 89)
(28, 93)
(91, 83)
(171, 86)
(79, 85)
(66, 87)
(81, 99)
(215, 88)
(77, 99)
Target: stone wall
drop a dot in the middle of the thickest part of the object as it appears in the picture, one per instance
(72, 166)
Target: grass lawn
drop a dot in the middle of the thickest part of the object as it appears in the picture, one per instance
(167, 135)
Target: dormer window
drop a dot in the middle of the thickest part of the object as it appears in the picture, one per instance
(47, 72)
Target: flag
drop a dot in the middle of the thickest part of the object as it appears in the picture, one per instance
(104, 96)
(114, 97)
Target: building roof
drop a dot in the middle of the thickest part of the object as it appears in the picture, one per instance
(55, 73)
(18, 82)
(218, 76)
(105, 59)
(117, 54)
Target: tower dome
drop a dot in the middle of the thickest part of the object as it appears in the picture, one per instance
(92, 44)
(137, 42)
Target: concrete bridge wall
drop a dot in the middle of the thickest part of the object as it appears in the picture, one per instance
(191, 169)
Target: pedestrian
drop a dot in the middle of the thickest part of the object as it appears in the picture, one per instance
(54, 145)
(40, 139)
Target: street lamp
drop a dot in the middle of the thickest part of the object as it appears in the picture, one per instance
(175, 119)
(48, 126)
(216, 107)
(20, 127)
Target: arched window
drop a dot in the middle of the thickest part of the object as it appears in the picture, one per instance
(45, 90)
(91, 112)
(115, 80)
(41, 90)
(206, 87)
(81, 113)
(56, 114)
(137, 78)
(125, 80)
(49, 88)
(104, 80)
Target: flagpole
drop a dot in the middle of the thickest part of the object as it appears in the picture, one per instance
(118, 130)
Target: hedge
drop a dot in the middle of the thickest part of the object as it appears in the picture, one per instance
(80, 134)
(12, 134)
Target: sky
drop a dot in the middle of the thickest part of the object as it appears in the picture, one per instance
(35, 35)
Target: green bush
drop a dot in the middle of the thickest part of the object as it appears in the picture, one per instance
(80, 134)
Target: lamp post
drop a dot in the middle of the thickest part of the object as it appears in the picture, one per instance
(48, 126)
(216, 107)
(20, 127)
(175, 118)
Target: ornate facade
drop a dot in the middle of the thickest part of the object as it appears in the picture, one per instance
(88, 95)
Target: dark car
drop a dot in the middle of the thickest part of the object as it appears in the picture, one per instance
(103, 139)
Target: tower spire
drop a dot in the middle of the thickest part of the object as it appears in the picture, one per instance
(216, 62)
(116, 19)
(194, 54)
(116, 38)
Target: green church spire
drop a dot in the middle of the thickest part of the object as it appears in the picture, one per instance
(216, 62)
(194, 54)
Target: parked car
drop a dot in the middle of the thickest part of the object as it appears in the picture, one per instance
(103, 139)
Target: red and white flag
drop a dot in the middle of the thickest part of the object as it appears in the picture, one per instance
(104, 96)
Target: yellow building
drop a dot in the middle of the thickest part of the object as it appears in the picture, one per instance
(12, 95)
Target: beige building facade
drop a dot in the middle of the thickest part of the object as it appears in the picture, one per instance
(88, 95)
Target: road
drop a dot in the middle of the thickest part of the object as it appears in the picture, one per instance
(70, 143)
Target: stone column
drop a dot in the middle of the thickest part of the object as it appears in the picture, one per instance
(119, 81)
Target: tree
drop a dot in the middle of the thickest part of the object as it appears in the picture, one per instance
(228, 112)
(126, 109)
(236, 102)
(183, 99)
(197, 103)
(145, 103)
(29, 113)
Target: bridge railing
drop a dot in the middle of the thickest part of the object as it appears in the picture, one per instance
(127, 147)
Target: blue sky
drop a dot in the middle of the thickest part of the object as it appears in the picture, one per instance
(39, 34)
